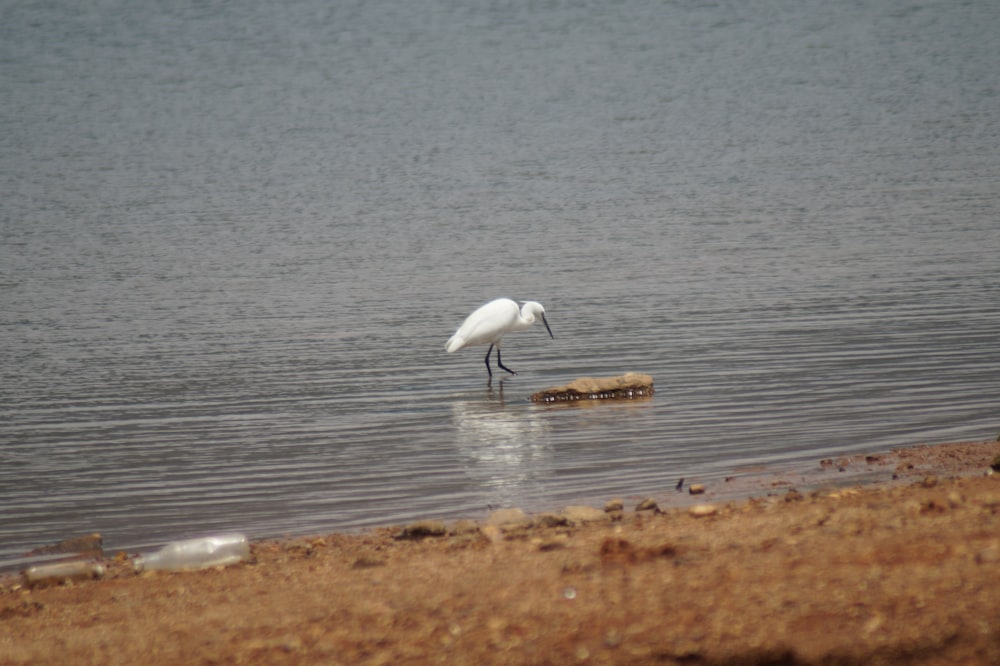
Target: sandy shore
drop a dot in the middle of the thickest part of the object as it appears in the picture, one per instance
(902, 570)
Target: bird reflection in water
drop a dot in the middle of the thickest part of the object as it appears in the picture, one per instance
(505, 449)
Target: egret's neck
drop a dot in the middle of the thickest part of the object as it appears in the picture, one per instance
(528, 314)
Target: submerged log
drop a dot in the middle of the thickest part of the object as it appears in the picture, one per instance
(623, 387)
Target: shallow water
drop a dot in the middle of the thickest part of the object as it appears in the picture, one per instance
(234, 239)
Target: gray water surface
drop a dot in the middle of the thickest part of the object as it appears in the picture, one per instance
(234, 239)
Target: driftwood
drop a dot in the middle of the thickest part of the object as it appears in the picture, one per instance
(623, 387)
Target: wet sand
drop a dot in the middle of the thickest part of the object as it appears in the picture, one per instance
(774, 568)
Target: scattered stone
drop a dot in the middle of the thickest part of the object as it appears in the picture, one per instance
(995, 465)
(696, 488)
(507, 517)
(464, 527)
(929, 481)
(628, 386)
(422, 529)
(703, 510)
(551, 520)
(614, 505)
(793, 495)
(577, 515)
(648, 504)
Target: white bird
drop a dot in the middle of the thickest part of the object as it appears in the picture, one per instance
(491, 322)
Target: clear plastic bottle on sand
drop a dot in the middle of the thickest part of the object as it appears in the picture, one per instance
(201, 553)
(62, 571)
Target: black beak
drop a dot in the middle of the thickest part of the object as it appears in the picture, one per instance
(546, 322)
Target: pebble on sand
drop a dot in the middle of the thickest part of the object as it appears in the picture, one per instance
(423, 528)
(509, 519)
(577, 515)
(464, 527)
(648, 504)
(551, 520)
(703, 510)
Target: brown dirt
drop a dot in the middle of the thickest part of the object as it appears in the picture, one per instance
(904, 571)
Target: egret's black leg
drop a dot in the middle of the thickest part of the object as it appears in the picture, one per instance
(488, 352)
(501, 365)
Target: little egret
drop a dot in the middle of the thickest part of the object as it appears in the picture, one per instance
(491, 322)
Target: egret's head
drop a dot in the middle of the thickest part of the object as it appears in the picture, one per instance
(533, 309)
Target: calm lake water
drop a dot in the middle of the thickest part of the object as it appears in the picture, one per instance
(234, 238)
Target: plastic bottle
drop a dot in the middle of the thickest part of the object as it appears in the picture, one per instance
(202, 553)
(61, 571)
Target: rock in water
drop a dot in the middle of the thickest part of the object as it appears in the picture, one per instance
(629, 386)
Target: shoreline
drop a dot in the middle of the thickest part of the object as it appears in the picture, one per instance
(860, 469)
(806, 568)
